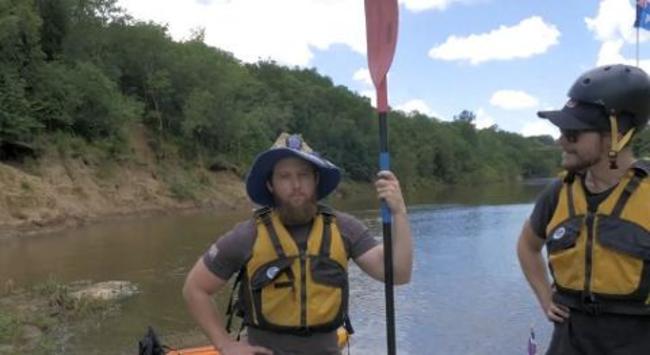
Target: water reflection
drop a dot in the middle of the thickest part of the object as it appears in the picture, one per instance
(467, 295)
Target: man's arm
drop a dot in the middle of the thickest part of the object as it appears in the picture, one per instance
(372, 261)
(199, 287)
(529, 251)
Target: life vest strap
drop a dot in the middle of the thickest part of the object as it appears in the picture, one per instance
(570, 202)
(265, 215)
(629, 189)
(595, 305)
(234, 306)
(326, 241)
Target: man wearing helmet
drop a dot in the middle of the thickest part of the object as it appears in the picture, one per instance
(292, 257)
(595, 220)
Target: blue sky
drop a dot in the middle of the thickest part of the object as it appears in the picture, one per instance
(502, 59)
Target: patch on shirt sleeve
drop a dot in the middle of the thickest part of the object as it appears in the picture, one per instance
(212, 252)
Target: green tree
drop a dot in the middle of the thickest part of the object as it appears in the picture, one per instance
(55, 15)
(20, 56)
(102, 111)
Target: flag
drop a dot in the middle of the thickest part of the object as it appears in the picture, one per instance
(532, 344)
(642, 14)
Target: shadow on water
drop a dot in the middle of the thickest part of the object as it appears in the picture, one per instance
(467, 295)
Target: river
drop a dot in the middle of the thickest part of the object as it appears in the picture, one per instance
(467, 295)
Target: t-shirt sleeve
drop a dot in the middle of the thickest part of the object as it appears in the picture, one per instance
(356, 235)
(230, 252)
(544, 207)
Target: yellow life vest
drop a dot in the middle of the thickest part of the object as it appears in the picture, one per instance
(600, 260)
(289, 289)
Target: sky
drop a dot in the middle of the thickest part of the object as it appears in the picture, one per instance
(504, 60)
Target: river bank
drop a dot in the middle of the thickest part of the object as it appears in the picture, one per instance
(38, 205)
(74, 184)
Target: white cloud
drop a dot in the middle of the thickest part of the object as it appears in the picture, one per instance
(422, 5)
(513, 100)
(416, 105)
(483, 119)
(613, 27)
(540, 127)
(610, 53)
(363, 75)
(529, 37)
(613, 21)
(283, 30)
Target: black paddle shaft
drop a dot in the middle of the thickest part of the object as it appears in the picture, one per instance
(384, 164)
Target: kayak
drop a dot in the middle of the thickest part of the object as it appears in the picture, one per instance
(343, 338)
(202, 350)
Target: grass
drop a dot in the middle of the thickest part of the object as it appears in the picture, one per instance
(25, 186)
(185, 183)
(9, 327)
(183, 189)
(63, 304)
(51, 307)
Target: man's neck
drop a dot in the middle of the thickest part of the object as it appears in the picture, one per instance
(601, 177)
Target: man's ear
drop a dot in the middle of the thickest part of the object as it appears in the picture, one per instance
(269, 186)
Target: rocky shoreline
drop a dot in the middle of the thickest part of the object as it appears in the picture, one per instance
(41, 319)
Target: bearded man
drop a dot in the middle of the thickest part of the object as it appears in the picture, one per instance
(292, 257)
(595, 220)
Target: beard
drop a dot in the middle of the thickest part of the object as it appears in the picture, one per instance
(574, 163)
(296, 214)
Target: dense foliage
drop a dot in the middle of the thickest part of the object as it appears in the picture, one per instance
(86, 69)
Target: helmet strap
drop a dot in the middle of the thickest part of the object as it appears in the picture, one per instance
(617, 145)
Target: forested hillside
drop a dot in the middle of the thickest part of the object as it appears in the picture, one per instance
(84, 69)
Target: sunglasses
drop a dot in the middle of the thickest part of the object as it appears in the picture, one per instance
(573, 135)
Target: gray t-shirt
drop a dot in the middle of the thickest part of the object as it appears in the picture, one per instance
(232, 250)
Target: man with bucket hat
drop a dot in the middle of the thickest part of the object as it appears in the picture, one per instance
(291, 257)
(595, 220)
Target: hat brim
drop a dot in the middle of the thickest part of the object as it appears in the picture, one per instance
(329, 175)
(564, 120)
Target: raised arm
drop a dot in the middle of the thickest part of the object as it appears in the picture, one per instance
(372, 261)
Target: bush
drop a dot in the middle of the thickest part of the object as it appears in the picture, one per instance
(8, 328)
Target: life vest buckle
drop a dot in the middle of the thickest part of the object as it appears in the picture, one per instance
(303, 332)
(591, 305)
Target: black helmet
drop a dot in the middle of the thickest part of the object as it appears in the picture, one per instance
(622, 90)
(611, 97)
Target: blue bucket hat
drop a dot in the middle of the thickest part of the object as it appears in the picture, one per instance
(289, 146)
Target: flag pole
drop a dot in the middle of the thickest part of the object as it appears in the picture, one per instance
(637, 46)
